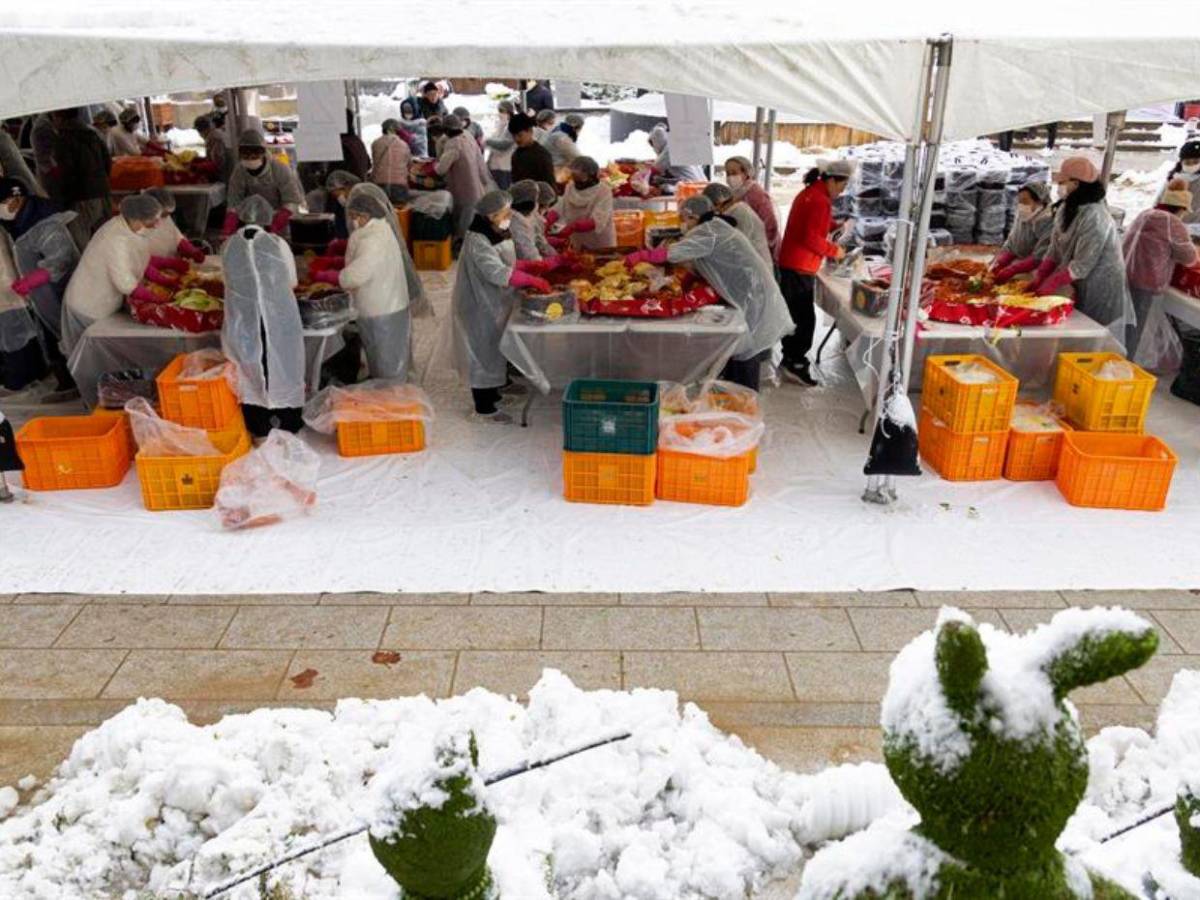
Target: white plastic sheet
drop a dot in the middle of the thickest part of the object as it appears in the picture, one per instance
(275, 481)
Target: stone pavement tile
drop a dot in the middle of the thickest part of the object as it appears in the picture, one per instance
(77, 599)
(1094, 717)
(53, 712)
(1021, 620)
(56, 674)
(245, 599)
(680, 598)
(812, 749)
(354, 673)
(620, 628)
(369, 598)
(200, 674)
(701, 676)
(1134, 599)
(34, 626)
(7, 598)
(992, 599)
(840, 677)
(891, 629)
(1183, 626)
(456, 628)
(36, 751)
(734, 716)
(514, 672)
(1153, 680)
(537, 598)
(776, 629)
(847, 599)
(310, 627)
(129, 627)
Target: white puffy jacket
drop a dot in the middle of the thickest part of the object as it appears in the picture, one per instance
(374, 271)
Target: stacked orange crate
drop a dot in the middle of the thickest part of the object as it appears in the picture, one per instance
(966, 409)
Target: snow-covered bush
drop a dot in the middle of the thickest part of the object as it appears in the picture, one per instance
(1187, 816)
(980, 739)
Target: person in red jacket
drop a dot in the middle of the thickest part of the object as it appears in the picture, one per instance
(805, 247)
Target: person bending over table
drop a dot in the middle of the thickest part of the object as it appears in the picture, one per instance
(586, 209)
(1029, 240)
(112, 267)
(262, 333)
(168, 246)
(258, 174)
(724, 258)
(528, 228)
(747, 221)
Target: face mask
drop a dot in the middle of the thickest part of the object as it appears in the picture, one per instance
(735, 181)
(503, 224)
(1191, 167)
(251, 165)
(342, 200)
(1024, 213)
(1065, 189)
(6, 213)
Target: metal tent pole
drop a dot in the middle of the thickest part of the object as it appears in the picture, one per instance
(756, 155)
(1116, 121)
(770, 151)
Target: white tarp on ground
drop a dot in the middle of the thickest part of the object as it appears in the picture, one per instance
(482, 509)
(1026, 63)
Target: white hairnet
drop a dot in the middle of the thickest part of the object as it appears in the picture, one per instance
(525, 191)
(546, 194)
(585, 166)
(141, 208)
(718, 193)
(251, 140)
(746, 165)
(658, 138)
(370, 198)
(370, 203)
(256, 210)
(492, 202)
(165, 198)
(339, 179)
(696, 206)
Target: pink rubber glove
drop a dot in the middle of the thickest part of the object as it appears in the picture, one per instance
(1003, 258)
(144, 293)
(556, 242)
(1055, 284)
(533, 266)
(321, 263)
(337, 247)
(328, 277)
(280, 220)
(229, 226)
(555, 262)
(1045, 267)
(582, 226)
(520, 279)
(656, 255)
(159, 277)
(187, 249)
(551, 218)
(1021, 266)
(171, 263)
(34, 279)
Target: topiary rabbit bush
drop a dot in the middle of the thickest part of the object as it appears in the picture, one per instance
(980, 739)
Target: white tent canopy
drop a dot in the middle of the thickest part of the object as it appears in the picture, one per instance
(859, 65)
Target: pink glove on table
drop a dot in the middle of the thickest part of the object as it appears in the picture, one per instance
(1003, 258)
(229, 226)
(551, 218)
(165, 263)
(144, 293)
(1055, 284)
(1045, 267)
(582, 226)
(280, 219)
(520, 279)
(328, 277)
(34, 279)
(533, 266)
(337, 247)
(189, 250)
(159, 277)
(656, 255)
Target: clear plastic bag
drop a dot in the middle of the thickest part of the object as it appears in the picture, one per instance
(156, 436)
(1159, 347)
(275, 481)
(1115, 370)
(207, 364)
(1042, 418)
(115, 389)
(371, 401)
(722, 435)
(434, 204)
(973, 373)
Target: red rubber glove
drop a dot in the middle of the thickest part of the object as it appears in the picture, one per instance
(187, 249)
(279, 221)
(328, 277)
(558, 243)
(1003, 258)
(520, 279)
(555, 263)
(582, 226)
(229, 226)
(144, 293)
(1028, 264)
(337, 247)
(34, 279)
(168, 263)
(533, 266)
(656, 255)
(1045, 267)
(158, 276)
(551, 218)
(1055, 285)
(321, 263)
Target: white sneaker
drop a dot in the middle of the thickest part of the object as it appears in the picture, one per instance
(496, 418)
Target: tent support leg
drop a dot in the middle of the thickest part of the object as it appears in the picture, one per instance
(756, 156)
(770, 151)
(1115, 122)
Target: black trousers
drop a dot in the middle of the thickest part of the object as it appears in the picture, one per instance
(745, 372)
(23, 367)
(260, 420)
(798, 289)
(485, 399)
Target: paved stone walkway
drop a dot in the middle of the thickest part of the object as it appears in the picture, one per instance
(799, 676)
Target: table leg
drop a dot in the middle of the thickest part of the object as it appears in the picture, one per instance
(862, 422)
(314, 375)
(825, 340)
(529, 395)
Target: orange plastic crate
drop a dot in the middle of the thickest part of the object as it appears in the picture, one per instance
(1033, 455)
(961, 457)
(1093, 404)
(378, 437)
(687, 478)
(73, 452)
(660, 218)
(190, 482)
(404, 220)
(686, 189)
(968, 408)
(1115, 471)
(126, 428)
(434, 256)
(608, 478)
(198, 403)
(629, 228)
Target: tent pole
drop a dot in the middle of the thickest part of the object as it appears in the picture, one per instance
(1115, 121)
(756, 155)
(770, 151)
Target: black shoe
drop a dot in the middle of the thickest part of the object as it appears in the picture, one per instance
(799, 372)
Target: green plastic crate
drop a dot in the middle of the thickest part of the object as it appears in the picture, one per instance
(610, 417)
